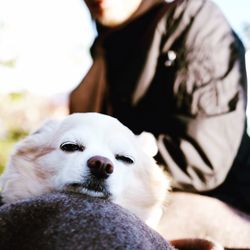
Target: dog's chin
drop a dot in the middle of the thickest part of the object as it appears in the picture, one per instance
(89, 188)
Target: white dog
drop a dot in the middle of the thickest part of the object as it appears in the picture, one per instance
(93, 154)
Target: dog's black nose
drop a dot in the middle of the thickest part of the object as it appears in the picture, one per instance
(100, 167)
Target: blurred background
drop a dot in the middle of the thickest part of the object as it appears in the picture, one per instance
(44, 54)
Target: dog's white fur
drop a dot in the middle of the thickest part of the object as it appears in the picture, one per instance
(38, 165)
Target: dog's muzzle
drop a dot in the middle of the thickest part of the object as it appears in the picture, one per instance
(100, 168)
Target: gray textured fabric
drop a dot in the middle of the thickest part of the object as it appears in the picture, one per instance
(73, 221)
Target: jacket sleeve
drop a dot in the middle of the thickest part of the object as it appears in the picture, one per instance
(209, 95)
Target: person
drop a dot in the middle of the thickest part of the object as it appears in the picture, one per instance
(175, 69)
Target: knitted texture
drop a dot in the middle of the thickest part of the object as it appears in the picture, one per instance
(73, 221)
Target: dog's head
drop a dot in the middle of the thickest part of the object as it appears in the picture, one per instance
(88, 153)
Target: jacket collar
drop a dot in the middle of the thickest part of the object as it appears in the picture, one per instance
(144, 7)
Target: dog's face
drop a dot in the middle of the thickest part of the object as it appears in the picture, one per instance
(87, 153)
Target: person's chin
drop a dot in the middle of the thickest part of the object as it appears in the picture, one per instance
(109, 22)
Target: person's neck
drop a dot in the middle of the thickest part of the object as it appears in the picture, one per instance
(145, 6)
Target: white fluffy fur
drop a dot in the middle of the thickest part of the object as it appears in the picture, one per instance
(38, 165)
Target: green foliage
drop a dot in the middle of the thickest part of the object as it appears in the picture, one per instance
(15, 134)
(6, 147)
(21, 113)
(16, 96)
(8, 63)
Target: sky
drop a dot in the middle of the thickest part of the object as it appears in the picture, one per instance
(44, 44)
(237, 13)
(48, 40)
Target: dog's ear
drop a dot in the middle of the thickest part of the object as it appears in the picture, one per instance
(148, 143)
(36, 141)
(48, 125)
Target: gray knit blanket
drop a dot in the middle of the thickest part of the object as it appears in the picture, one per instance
(62, 221)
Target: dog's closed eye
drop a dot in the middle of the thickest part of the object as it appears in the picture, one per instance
(71, 147)
(125, 159)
